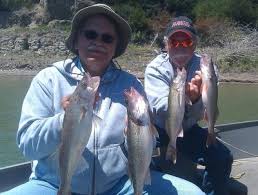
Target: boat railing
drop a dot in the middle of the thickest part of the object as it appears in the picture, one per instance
(236, 125)
(14, 175)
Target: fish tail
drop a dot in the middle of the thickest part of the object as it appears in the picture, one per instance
(147, 178)
(171, 153)
(137, 190)
(64, 192)
(211, 139)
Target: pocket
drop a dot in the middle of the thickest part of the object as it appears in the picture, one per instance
(111, 166)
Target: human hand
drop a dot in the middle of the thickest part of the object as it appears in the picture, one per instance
(193, 88)
(65, 101)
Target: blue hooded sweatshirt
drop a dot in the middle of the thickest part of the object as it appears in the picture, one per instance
(41, 121)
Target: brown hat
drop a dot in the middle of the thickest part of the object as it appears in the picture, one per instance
(122, 27)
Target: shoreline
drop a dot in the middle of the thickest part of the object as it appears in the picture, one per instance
(246, 77)
(18, 72)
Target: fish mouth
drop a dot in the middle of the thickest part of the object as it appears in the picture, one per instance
(128, 93)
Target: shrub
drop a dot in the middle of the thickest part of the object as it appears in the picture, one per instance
(181, 7)
(16, 4)
(241, 11)
(233, 46)
(137, 19)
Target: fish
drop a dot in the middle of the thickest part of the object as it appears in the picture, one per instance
(79, 122)
(175, 113)
(139, 138)
(209, 96)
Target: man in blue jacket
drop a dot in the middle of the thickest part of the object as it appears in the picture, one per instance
(98, 35)
(180, 43)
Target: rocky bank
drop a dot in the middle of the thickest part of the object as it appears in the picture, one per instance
(27, 50)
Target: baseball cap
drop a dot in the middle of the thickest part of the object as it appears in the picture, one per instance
(180, 24)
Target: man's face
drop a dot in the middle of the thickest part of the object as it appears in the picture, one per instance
(180, 48)
(96, 44)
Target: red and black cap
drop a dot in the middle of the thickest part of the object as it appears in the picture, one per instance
(180, 24)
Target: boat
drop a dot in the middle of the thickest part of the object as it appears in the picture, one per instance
(14, 175)
(241, 138)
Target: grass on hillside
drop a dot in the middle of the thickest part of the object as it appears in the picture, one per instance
(136, 57)
(234, 48)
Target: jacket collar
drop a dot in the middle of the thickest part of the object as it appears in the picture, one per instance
(77, 71)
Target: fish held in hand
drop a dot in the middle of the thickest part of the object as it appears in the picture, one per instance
(79, 122)
(139, 138)
(175, 114)
(209, 96)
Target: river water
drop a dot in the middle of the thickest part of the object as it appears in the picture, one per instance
(237, 102)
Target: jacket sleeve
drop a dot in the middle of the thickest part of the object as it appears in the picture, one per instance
(156, 85)
(39, 128)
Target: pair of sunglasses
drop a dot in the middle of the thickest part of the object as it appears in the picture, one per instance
(184, 43)
(93, 35)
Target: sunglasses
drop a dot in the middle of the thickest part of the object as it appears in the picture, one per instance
(93, 35)
(184, 43)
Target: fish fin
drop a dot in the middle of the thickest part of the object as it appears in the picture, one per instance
(154, 130)
(96, 122)
(156, 152)
(96, 99)
(94, 83)
(217, 113)
(188, 100)
(211, 139)
(204, 88)
(126, 125)
(205, 116)
(147, 180)
(216, 130)
(64, 191)
(125, 131)
(82, 114)
(81, 165)
(181, 133)
(171, 153)
(128, 172)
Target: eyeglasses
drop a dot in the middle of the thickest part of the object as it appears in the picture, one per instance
(93, 35)
(184, 43)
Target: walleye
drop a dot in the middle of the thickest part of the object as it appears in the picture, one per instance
(77, 127)
(139, 139)
(209, 96)
(176, 110)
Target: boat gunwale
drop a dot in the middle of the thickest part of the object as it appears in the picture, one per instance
(219, 128)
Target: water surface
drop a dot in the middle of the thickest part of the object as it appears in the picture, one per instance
(12, 92)
(237, 102)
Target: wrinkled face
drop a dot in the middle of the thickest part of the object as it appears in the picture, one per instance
(96, 44)
(180, 48)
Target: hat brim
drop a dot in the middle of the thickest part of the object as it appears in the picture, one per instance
(189, 33)
(122, 27)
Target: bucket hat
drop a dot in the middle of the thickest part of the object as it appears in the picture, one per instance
(122, 27)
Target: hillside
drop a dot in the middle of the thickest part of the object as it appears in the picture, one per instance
(34, 37)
